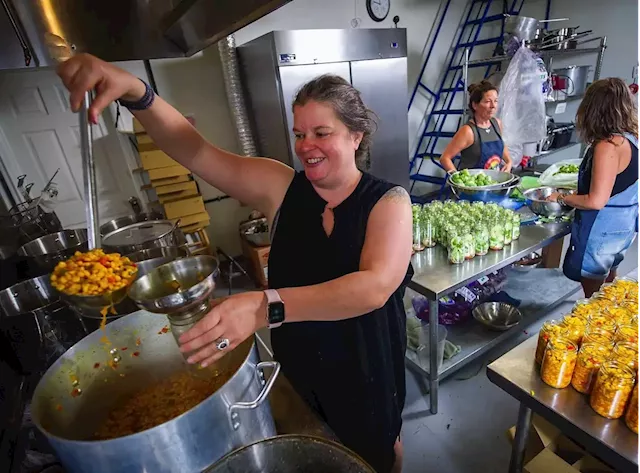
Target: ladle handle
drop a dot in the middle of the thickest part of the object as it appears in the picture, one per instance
(89, 174)
(264, 392)
(61, 51)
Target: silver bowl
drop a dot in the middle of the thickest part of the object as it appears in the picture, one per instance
(491, 193)
(177, 286)
(521, 265)
(98, 302)
(252, 231)
(497, 316)
(539, 205)
(501, 179)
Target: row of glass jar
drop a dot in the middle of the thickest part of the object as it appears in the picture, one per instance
(579, 330)
(465, 229)
(597, 371)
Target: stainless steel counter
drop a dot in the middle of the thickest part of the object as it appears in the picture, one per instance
(567, 409)
(435, 277)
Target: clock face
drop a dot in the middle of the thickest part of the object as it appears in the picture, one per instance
(378, 9)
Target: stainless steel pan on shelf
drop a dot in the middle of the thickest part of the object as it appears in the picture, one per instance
(237, 414)
(525, 28)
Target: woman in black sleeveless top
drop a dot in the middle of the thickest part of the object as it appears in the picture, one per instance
(339, 260)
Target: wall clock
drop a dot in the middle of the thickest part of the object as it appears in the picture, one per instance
(378, 9)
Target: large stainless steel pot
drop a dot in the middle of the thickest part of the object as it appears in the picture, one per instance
(116, 223)
(149, 259)
(524, 27)
(49, 250)
(292, 454)
(577, 78)
(235, 415)
(143, 235)
(36, 324)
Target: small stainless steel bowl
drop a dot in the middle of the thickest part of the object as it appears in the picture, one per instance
(539, 205)
(253, 231)
(534, 260)
(497, 315)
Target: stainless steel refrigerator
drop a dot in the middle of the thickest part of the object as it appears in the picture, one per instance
(276, 65)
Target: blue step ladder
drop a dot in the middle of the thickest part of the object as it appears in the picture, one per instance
(477, 15)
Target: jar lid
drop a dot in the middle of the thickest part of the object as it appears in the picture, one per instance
(138, 233)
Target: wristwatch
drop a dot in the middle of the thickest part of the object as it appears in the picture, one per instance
(275, 308)
(560, 199)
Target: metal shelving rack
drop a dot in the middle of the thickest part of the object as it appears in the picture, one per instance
(548, 56)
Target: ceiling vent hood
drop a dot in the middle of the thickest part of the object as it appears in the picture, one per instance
(121, 30)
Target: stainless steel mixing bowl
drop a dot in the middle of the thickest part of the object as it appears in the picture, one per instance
(539, 205)
(497, 315)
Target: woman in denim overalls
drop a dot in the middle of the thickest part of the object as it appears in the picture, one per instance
(606, 203)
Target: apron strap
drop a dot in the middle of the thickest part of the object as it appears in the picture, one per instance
(496, 128)
(476, 132)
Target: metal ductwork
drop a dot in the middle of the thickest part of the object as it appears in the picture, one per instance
(233, 86)
(121, 30)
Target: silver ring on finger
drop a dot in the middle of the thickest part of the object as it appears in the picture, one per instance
(222, 343)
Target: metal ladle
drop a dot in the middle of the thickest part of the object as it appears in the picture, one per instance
(61, 51)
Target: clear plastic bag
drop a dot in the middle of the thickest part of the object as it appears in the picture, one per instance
(566, 180)
(522, 108)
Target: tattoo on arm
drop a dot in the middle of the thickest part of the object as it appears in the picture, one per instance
(396, 194)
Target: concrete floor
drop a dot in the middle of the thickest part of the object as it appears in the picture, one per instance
(468, 434)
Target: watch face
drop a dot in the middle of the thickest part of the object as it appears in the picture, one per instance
(276, 313)
(378, 9)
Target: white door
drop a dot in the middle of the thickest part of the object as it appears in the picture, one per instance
(39, 134)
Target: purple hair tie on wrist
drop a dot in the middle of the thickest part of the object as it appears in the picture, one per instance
(144, 103)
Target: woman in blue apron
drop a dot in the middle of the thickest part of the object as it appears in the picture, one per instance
(479, 141)
(606, 203)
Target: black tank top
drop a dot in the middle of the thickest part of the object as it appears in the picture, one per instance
(628, 177)
(345, 365)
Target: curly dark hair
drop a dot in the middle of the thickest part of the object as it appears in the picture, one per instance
(348, 106)
(477, 91)
(606, 109)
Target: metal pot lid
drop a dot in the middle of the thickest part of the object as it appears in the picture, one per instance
(138, 233)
